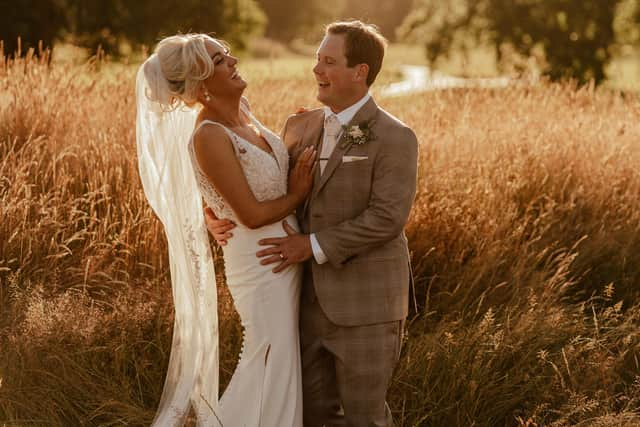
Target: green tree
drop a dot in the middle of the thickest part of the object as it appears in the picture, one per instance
(144, 21)
(626, 22)
(91, 23)
(243, 19)
(291, 20)
(387, 15)
(288, 21)
(576, 37)
(30, 20)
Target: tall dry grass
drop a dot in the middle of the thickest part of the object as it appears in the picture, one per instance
(525, 239)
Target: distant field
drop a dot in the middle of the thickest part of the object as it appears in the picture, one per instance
(525, 242)
(623, 72)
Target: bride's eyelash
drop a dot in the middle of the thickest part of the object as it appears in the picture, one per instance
(221, 58)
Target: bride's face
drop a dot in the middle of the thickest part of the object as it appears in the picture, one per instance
(225, 79)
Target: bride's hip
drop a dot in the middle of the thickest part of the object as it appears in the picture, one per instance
(245, 240)
(240, 251)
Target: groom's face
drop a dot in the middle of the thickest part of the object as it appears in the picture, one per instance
(338, 84)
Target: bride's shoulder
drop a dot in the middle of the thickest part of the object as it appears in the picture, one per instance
(209, 136)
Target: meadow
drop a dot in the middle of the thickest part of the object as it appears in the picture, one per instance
(525, 242)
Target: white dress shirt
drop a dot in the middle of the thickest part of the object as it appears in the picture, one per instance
(344, 117)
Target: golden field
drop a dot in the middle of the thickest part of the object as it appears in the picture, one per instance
(525, 238)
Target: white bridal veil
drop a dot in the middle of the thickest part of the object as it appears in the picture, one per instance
(170, 186)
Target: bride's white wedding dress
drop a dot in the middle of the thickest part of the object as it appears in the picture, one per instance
(266, 388)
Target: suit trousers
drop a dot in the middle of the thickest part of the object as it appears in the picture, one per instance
(346, 370)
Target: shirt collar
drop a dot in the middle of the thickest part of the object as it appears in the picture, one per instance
(345, 116)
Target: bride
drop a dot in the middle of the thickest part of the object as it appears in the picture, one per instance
(197, 138)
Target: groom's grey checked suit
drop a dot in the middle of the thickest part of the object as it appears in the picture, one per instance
(354, 305)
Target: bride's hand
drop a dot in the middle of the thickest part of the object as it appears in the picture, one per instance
(301, 177)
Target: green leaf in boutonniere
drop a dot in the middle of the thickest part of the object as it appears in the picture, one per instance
(358, 134)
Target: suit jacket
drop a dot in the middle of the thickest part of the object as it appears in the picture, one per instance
(358, 210)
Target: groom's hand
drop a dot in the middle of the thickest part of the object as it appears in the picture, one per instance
(219, 228)
(294, 248)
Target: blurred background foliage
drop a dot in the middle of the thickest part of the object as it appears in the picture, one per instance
(117, 25)
(558, 38)
(566, 38)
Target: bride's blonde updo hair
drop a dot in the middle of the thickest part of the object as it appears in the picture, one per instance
(185, 63)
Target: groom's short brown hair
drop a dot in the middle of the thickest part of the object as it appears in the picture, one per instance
(363, 45)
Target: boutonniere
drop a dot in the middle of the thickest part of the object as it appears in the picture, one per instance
(358, 134)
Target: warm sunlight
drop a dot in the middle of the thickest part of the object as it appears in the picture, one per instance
(461, 244)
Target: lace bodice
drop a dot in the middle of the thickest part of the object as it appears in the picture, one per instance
(266, 173)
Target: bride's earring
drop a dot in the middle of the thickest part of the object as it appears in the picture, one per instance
(207, 97)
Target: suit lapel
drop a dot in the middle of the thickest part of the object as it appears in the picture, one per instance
(313, 130)
(367, 112)
(313, 136)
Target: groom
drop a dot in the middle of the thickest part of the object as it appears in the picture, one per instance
(356, 262)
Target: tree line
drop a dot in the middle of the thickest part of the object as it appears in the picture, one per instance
(572, 38)
(91, 23)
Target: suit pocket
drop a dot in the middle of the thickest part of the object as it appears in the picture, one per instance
(353, 177)
(351, 159)
(355, 163)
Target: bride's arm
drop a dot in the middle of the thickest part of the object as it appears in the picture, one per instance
(217, 159)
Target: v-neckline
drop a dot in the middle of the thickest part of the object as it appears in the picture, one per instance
(253, 122)
(271, 154)
(258, 126)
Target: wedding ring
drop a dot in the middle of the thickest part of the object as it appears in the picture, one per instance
(281, 255)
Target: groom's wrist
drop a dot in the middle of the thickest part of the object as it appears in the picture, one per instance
(318, 253)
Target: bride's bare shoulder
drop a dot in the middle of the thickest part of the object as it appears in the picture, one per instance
(206, 129)
(211, 141)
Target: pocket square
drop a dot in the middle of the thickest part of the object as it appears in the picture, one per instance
(348, 159)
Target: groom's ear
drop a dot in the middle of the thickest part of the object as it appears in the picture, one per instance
(362, 71)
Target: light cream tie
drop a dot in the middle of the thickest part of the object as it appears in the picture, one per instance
(332, 128)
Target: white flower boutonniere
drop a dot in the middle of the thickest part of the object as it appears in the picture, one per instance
(359, 134)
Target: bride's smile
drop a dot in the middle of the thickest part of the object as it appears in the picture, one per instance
(225, 79)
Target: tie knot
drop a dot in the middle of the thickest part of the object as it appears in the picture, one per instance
(332, 125)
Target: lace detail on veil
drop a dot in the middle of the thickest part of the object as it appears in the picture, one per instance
(168, 181)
